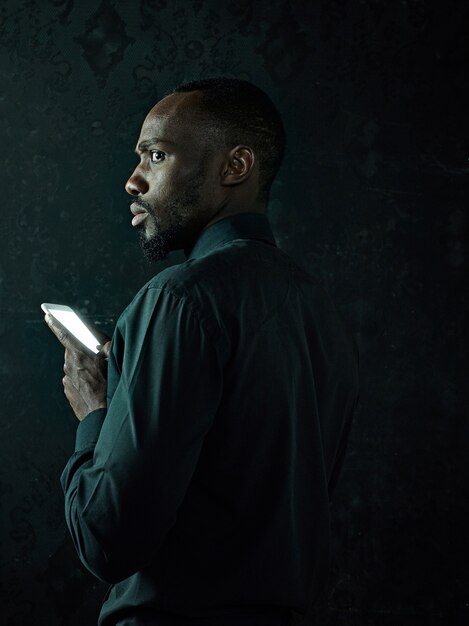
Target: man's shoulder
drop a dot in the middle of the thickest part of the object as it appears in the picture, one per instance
(215, 278)
(194, 275)
(172, 286)
(179, 279)
(192, 283)
(239, 266)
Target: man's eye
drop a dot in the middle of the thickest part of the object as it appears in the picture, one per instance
(156, 156)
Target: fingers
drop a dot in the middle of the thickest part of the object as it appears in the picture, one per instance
(67, 340)
(69, 387)
(67, 382)
(75, 360)
(105, 350)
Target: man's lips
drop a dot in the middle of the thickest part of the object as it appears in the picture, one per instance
(139, 214)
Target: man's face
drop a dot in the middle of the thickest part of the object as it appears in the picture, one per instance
(174, 185)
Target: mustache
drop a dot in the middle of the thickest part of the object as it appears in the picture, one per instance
(142, 203)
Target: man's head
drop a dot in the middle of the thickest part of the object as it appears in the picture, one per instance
(207, 150)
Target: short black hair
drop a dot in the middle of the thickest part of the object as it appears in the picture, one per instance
(243, 114)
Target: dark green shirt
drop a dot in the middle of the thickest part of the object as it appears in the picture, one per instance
(203, 490)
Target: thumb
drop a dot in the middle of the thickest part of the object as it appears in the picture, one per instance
(105, 350)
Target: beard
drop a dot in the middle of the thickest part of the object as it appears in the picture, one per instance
(178, 214)
(157, 246)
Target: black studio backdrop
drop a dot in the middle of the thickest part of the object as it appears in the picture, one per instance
(371, 199)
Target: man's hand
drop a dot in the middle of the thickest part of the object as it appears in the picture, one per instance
(85, 380)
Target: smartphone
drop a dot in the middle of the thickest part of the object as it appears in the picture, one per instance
(70, 320)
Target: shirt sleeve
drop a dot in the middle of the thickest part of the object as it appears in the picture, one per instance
(134, 461)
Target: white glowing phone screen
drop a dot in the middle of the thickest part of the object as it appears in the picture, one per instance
(70, 320)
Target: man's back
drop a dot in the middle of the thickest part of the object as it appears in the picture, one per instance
(250, 532)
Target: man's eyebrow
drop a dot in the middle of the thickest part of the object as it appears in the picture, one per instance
(143, 145)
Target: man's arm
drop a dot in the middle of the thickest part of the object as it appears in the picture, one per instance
(134, 461)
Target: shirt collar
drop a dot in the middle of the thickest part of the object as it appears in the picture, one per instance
(238, 226)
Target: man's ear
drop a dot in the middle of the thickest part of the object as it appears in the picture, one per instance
(238, 165)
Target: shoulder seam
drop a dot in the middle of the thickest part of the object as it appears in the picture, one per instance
(196, 310)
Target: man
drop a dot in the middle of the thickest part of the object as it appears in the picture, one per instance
(207, 453)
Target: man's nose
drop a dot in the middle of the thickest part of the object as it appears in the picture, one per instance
(136, 184)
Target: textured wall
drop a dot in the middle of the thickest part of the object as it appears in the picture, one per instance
(372, 199)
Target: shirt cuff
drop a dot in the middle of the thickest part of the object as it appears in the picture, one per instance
(89, 428)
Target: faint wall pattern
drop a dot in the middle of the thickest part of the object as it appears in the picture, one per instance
(371, 198)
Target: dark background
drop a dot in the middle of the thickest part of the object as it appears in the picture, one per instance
(371, 199)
